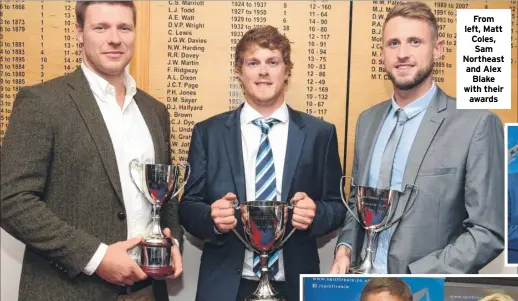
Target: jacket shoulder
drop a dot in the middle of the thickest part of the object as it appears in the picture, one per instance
(216, 120)
(151, 100)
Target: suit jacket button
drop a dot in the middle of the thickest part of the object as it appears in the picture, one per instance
(121, 215)
(238, 270)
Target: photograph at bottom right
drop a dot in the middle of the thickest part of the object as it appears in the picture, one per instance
(511, 243)
(408, 288)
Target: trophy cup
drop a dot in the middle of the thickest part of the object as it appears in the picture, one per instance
(264, 224)
(159, 183)
(375, 211)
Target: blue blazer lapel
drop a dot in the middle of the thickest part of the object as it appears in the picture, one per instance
(296, 137)
(234, 150)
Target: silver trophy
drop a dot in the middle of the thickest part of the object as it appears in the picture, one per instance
(264, 224)
(375, 212)
(159, 183)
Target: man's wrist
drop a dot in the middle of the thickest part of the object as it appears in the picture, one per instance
(343, 250)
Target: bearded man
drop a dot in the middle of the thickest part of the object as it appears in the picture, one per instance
(453, 221)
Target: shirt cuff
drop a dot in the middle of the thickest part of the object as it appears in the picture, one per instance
(344, 244)
(95, 261)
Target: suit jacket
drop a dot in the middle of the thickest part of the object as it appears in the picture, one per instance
(455, 224)
(312, 166)
(61, 192)
(512, 227)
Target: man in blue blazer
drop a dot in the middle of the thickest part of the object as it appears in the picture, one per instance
(263, 150)
(512, 227)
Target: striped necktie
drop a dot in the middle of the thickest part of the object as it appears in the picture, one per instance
(265, 185)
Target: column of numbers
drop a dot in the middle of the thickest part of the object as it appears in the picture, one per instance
(285, 28)
(318, 89)
(43, 58)
(70, 46)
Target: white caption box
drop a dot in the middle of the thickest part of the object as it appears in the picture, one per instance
(483, 58)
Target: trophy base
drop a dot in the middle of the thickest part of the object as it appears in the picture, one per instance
(159, 273)
(156, 258)
(269, 298)
(362, 269)
(265, 291)
(357, 271)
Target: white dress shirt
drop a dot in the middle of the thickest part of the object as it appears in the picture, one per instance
(131, 140)
(250, 140)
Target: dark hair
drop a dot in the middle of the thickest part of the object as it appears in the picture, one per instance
(264, 37)
(81, 7)
(394, 286)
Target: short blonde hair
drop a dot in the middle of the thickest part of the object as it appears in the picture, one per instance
(414, 10)
(394, 286)
(265, 37)
(497, 297)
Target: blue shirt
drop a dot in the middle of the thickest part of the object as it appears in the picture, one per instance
(512, 218)
(415, 112)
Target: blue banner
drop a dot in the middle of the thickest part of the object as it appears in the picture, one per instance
(475, 292)
(512, 147)
(350, 288)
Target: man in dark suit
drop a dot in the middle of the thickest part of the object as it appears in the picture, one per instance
(66, 189)
(235, 156)
(453, 224)
(512, 226)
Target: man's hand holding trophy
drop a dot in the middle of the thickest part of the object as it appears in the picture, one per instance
(160, 256)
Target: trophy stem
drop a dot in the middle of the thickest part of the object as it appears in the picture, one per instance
(366, 266)
(156, 231)
(264, 291)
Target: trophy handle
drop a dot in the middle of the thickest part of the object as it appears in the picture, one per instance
(284, 240)
(188, 169)
(342, 183)
(132, 165)
(291, 205)
(407, 208)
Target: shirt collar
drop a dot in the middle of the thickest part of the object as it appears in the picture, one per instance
(416, 106)
(249, 114)
(102, 88)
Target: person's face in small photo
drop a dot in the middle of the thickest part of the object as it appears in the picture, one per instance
(383, 296)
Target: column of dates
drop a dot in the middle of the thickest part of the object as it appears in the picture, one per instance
(12, 57)
(238, 27)
(445, 13)
(245, 15)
